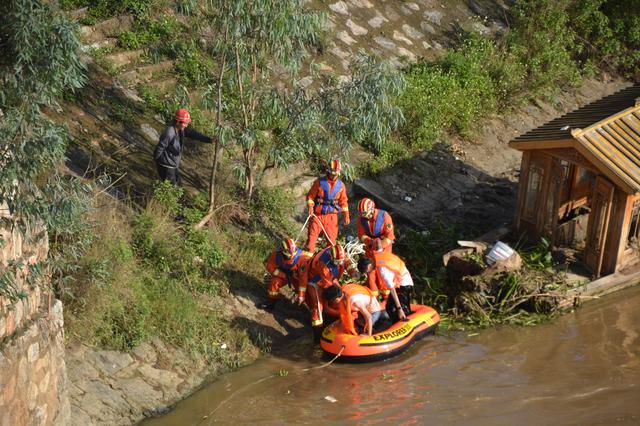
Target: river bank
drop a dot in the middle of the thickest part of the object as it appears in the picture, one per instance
(120, 387)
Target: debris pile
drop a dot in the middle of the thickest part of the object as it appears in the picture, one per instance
(492, 282)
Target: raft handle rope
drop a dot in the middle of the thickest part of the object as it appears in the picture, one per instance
(321, 226)
(264, 379)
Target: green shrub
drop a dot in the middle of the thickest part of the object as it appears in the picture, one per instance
(164, 29)
(545, 44)
(456, 91)
(392, 152)
(199, 243)
(151, 96)
(99, 10)
(123, 324)
(168, 196)
(538, 257)
(129, 40)
(192, 69)
(608, 32)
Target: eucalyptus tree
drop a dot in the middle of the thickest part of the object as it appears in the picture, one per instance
(328, 120)
(39, 61)
(253, 38)
(259, 42)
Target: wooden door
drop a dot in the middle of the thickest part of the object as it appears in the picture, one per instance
(551, 202)
(598, 225)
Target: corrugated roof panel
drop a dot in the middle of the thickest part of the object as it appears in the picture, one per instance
(614, 143)
(584, 117)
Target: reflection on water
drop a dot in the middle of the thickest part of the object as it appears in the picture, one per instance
(582, 368)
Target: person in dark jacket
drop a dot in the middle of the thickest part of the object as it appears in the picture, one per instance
(169, 148)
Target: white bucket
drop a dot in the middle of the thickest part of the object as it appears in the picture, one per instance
(499, 251)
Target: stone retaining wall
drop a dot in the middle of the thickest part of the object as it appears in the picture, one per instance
(33, 378)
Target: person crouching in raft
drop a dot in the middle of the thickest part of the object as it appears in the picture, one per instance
(284, 268)
(322, 271)
(356, 299)
(392, 273)
(375, 231)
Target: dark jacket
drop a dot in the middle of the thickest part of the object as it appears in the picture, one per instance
(169, 148)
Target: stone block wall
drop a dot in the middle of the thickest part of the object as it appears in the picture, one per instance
(33, 378)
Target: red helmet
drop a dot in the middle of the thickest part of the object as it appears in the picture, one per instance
(338, 254)
(335, 167)
(366, 205)
(183, 116)
(289, 247)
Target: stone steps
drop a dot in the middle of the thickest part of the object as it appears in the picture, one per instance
(145, 73)
(106, 29)
(164, 85)
(124, 58)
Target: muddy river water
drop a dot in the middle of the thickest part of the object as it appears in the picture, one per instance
(580, 369)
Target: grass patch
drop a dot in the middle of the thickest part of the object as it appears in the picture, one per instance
(145, 275)
(150, 32)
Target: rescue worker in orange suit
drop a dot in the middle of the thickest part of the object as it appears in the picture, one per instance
(326, 198)
(168, 151)
(322, 271)
(391, 272)
(375, 231)
(355, 300)
(284, 266)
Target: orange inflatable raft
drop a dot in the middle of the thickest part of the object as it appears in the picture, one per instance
(384, 344)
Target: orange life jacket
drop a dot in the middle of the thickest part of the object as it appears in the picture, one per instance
(392, 263)
(346, 317)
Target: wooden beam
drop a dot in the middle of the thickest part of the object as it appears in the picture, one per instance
(600, 287)
(572, 156)
(540, 144)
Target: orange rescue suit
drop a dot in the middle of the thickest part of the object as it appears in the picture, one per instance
(376, 233)
(326, 198)
(346, 312)
(320, 273)
(284, 270)
(392, 263)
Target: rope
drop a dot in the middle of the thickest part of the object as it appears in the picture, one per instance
(353, 248)
(321, 226)
(264, 379)
(326, 364)
(302, 229)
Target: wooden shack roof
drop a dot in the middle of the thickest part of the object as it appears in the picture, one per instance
(606, 132)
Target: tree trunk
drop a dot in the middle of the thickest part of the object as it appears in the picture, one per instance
(217, 148)
(212, 186)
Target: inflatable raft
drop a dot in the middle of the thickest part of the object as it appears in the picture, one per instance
(384, 344)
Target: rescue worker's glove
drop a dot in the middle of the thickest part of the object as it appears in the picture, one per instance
(300, 299)
(310, 210)
(346, 218)
(374, 244)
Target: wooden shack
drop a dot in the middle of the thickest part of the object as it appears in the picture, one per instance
(579, 183)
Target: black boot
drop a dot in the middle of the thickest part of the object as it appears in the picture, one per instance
(317, 334)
